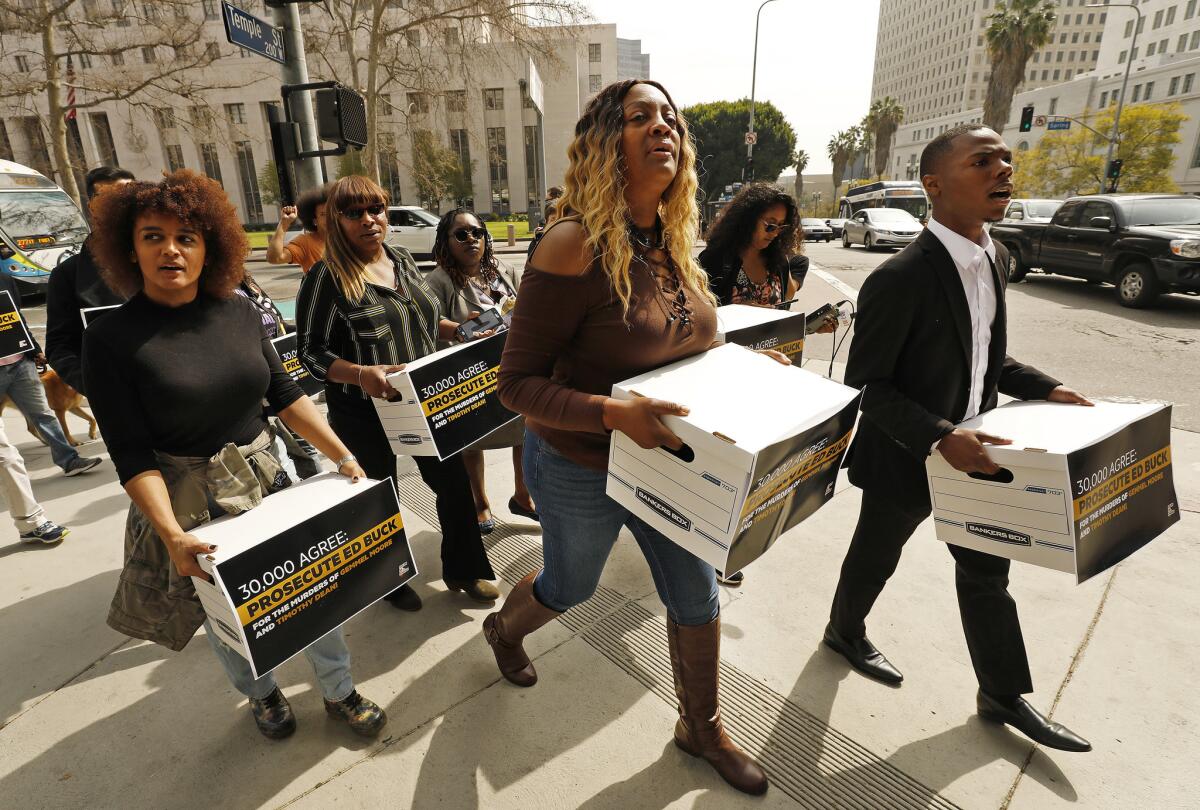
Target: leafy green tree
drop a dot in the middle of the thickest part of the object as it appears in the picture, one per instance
(1015, 30)
(268, 184)
(351, 163)
(801, 162)
(841, 151)
(884, 118)
(436, 170)
(719, 128)
(1072, 161)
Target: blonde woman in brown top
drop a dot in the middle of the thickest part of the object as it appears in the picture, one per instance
(611, 291)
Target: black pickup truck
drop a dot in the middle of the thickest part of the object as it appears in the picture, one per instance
(1144, 244)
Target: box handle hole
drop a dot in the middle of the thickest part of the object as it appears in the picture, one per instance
(684, 453)
(1004, 476)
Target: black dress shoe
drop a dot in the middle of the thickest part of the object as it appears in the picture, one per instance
(1017, 713)
(863, 656)
(404, 598)
(273, 715)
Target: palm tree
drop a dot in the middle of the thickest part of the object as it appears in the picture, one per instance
(1015, 30)
(801, 164)
(885, 116)
(860, 144)
(840, 151)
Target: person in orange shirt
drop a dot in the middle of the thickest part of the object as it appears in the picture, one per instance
(307, 248)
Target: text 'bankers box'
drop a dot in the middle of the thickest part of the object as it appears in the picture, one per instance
(762, 447)
(762, 328)
(447, 400)
(1079, 489)
(300, 564)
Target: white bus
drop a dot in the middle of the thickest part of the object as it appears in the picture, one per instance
(907, 195)
(39, 226)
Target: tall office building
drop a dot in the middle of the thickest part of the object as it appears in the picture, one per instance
(932, 56)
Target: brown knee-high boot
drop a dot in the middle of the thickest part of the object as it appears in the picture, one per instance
(521, 614)
(695, 659)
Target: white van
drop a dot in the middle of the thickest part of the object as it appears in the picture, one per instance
(40, 226)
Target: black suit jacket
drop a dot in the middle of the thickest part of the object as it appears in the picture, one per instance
(74, 285)
(911, 355)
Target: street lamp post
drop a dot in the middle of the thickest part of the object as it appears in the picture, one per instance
(1116, 133)
(748, 172)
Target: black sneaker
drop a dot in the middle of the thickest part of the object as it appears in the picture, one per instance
(733, 580)
(363, 716)
(79, 464)
(46, 532)
(404, 598)
(273, 715)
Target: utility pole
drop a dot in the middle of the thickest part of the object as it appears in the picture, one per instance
(295, 71)
(748, 172)
(1116, 133)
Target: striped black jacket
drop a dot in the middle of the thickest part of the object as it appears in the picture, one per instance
(330, 327)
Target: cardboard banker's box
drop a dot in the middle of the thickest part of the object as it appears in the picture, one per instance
(448, 400)
(762, 328)
(1079, 489)
(300, 564)
(762, 447)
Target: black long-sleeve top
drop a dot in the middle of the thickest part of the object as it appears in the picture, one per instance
(182, 380)
(74, 285)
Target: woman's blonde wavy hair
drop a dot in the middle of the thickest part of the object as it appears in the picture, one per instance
(595, 191)
(348, 269)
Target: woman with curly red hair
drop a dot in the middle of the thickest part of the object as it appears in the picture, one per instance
(177, 377)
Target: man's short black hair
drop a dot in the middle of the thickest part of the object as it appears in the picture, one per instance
(105, 174)
(306, 206)
(937, 149)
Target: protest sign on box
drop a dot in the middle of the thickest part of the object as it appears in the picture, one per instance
(761, 328)
(287, 347)
(447, 400)
(301, 564)
(762, 447)
(1079, 489)
(14, 336)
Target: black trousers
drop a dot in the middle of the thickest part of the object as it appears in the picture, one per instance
(463, 554)
(989, 614)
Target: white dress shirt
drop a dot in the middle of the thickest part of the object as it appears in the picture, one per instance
(974, 263)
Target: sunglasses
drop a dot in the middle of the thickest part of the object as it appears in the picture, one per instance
(771, 227)
(374, 209)
(463, 234)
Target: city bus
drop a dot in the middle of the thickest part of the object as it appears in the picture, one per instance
(39, 226)
(904, 194)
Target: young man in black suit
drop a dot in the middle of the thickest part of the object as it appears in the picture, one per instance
(74, 285)
(929, 352)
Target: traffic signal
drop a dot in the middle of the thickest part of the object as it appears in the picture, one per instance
(1114, 169)
(341, 116)
(1026, 118)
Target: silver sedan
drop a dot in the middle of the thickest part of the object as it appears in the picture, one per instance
(815, 230)
(881, 227)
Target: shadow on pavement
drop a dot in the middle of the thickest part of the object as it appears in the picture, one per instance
(1173, 311)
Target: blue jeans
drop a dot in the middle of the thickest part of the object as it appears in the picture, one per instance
(329, 656)
(20, 381)
(580, 524)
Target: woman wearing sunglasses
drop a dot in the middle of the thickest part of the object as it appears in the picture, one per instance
(749, 245)
(363, 312)
(468, 279)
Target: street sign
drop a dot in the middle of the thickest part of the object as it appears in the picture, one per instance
(751, 138)
(249, 32)
(1039, 120)
(1060, 123)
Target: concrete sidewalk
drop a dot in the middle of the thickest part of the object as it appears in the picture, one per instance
(93, 719)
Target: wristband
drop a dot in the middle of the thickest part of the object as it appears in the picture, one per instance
(344, 460)
(360, 371)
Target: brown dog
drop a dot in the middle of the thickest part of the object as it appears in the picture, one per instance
(62, 398)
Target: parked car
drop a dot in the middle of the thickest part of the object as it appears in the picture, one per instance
(1145, 244)
(412, 228)
(881, 227)
(815, 230)
(836, 225)
(1031, 210)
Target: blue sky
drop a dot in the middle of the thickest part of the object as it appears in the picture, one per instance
(815, 58)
